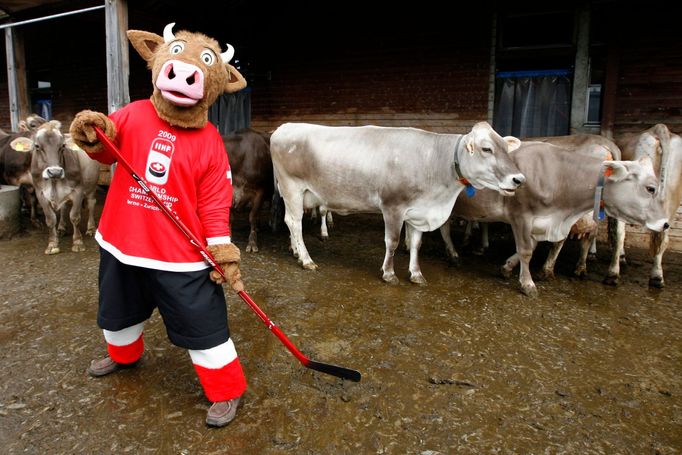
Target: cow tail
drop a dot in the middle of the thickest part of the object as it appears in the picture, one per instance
(276, 207)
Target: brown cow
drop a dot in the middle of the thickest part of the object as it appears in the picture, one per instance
(61, 173)
(15, 166)
(252, 179)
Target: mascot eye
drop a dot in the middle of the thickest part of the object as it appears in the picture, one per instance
(208, 58)
(176, 48)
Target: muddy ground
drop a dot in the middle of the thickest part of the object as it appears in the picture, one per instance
(464, 365)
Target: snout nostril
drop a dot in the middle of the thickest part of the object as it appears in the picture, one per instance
(171, 74)
(190, 80)
(666, 226)
(518, 181)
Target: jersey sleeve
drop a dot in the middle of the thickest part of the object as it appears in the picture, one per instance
(214, 197)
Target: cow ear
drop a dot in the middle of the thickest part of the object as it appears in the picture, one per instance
(145, 43)
(22, 144)
(235, 81)
(512, 143)
(615, 170)
(70, 144)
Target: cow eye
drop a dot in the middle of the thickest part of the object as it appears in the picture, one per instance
(177, 47)
(487, 150)
(651, 189)
(208, 58)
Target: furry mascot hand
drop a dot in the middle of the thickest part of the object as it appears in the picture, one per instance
(83, 132)
(227, 256)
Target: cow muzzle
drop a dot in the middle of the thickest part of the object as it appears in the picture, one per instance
(510, 183)
(53, 172)
(181, 83)
(658, 225)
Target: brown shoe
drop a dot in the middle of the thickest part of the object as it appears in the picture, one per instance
(222, 412)
(105, 366)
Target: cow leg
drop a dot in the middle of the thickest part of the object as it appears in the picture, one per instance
(509, 265)
(51, 223)
(547, 272)
(92, 226)
(659, 243)
(326, 221)
(294, 220)
(453, 257)
(63, 216)
(392, 224)
(525, 246)
(75, 216)
(483, 246)
(415, 243)
(617, 239)
(592, 253)
(585, 247)
(256, 203)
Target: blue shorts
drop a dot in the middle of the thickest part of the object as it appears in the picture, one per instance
(192, 306)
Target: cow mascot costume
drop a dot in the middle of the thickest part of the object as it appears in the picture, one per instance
(145, 261)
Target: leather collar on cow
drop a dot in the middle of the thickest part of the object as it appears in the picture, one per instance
(470, 190)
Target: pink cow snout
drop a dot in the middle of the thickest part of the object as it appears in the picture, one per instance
(181, 83)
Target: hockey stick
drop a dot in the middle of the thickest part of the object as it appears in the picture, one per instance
(333, 370)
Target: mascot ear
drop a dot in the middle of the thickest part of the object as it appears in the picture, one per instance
(235, 81)
(145, 43)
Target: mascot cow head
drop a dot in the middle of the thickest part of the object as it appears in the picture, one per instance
(189, 72)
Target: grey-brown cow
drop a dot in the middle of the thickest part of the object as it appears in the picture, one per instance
(664, 148)
(559, 190)
(61, 174)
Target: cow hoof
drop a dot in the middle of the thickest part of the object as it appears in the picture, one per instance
(52, 250)
(390, 278)
(90, 232)
(454, 261)
(478, 251)
(656, 282)
(592, 257)
(309, 265)
(78, 247)
(418, 279)
(506, 273)
(530, 290)
(251, 249)
(580, 273)
(323, 238)
(546, 275)
(611, 280)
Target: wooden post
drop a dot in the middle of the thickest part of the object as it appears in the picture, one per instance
(581, 74)
(16, 77)
(608, 118)
(118, 68)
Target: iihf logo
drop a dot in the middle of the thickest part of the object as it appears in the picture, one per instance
(159, 160)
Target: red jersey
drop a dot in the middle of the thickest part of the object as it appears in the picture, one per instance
(189, 171)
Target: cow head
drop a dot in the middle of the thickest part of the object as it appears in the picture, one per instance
(630, 192)
(31, 123)
(485, 163)
(47, 147)
(189, 72)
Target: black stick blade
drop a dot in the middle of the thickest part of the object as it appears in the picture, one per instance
(339, 372)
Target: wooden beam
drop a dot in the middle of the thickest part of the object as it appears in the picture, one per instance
(118, 69)
(581, 74)
(16, 77)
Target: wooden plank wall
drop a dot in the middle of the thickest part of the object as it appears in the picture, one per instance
(440, 86)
